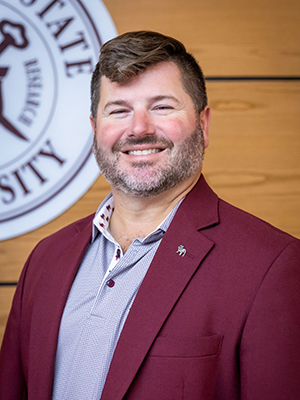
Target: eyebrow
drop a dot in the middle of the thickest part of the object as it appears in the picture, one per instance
(115, 103)
(152, 99)
(164, 97)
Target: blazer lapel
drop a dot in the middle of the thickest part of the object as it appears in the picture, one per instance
(177, 258)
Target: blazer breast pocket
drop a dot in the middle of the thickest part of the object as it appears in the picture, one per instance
(178, 368)
(186, 347)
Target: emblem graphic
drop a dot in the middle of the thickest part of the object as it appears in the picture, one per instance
(181, 250)
(48, 50)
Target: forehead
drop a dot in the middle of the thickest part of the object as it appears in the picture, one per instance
(163, 78)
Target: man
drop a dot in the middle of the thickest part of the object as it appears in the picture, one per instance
(167, 292)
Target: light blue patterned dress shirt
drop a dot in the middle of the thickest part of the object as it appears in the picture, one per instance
(97, 307)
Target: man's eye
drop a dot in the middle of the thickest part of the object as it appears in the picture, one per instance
(122, 111)
(163, 108)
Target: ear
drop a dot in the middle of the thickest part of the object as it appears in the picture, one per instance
(93, 124)
(205, 122)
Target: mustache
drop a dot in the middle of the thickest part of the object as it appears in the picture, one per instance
(153, 139)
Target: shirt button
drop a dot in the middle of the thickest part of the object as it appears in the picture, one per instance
(110, 283)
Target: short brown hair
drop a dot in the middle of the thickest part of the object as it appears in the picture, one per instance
(130, 54)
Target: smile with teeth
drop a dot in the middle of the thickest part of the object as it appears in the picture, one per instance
(143, 152)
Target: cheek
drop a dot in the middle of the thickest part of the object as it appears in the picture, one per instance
(107, 134)
(178, 129)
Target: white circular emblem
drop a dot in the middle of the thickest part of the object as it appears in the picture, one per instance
(48, 50)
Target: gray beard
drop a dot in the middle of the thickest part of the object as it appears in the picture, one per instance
(184, 161)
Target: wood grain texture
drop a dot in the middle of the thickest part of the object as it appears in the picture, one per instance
(253, 159)
(6, 296)
(228, 37)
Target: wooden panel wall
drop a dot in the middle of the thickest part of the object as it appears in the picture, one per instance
(254, 156)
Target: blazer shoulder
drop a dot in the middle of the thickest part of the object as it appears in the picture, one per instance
(73, 228)
(66, 234)
(252, 228)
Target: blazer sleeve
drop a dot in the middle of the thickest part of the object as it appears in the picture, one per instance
(270, 345)
(12, 376)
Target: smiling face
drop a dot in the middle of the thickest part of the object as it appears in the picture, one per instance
(148, 137)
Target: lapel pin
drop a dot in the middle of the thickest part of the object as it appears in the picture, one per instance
(181, 251)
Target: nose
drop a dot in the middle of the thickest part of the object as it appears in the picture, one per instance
(141, 124)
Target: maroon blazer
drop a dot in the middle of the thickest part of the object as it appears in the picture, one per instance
(219, 322)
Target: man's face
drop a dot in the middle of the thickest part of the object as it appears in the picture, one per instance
(148, 137)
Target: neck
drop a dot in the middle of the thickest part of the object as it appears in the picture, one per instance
(136, 217)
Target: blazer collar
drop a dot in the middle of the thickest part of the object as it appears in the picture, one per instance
(167, 277)
(201, 206)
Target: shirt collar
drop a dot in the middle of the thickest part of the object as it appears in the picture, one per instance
(102, 218)
(103, 215)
